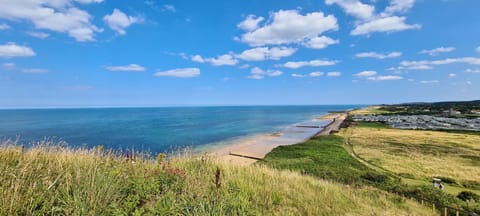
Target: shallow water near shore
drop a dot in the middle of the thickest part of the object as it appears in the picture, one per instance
(154, 129)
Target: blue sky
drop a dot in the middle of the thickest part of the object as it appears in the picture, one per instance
(96, 53)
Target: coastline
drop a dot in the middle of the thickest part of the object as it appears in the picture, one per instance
(247, 151)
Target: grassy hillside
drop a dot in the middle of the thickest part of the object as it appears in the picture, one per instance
(397, 161)
(49, 180)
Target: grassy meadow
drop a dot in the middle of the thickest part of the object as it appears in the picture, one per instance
(361, 157)
(54, 180)
(420, 154)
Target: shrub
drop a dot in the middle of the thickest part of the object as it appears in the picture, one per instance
(468, 196)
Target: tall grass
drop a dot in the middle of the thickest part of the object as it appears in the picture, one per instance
(56, 180)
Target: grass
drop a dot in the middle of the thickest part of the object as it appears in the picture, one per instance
(371, 110)
(403, 166)
(420, 154)
(60, 181)
(325, 157)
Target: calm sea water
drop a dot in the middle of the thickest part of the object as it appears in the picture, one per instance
(152, 129)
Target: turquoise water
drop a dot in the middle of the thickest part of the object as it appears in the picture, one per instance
(152, 129)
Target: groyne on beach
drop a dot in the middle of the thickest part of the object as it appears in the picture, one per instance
(249, 151)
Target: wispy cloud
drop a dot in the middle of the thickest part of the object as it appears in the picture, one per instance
(378, 55)
(11, 50)
(41, 35)
(334, 74)
(257, 73)
(179, 73)
(34, 70)
(4, 26)
(264, 53)
(428, 81)
(437, 51)
(130, 67)
(385, 78)
(312, 74)
(428, 65)
(312, 63)
(469, 70)
(226, 59)
(169, 7)
(366, 73)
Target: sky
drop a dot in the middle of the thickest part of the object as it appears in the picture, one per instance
(107, 53)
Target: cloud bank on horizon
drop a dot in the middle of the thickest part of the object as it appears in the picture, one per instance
(237, 52)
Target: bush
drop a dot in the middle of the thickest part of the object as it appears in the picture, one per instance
(431, 194)
(468, 196)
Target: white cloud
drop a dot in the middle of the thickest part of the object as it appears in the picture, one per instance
(472, 70)
(9, 65)
(34, 70)
(320, 42)
(89, 1)
(226, 59)
(384, 24)
(170, 8)
(312, 63)
(312, 74)
(289, 26)
(428, 65)
(428, 81)
(119, 21)
(466, 60)
(334, 74)
(367, 21)
(130, 67)
(298, 75)
(4, 26)
(179, 72)
(436, 51)
(55, 15)
(398, 6)
(354, 7)
(41, 35)
(477, 49)
(250, 23)
(257, 73)
(316, 74)
(198, 58)
(366, 73)
(385, 78)
(10, 50)
(263, 53)
(452, 75)
(378, 55)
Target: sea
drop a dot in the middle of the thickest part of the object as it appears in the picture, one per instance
(152, 130)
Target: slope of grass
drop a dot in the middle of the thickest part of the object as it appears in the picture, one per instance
(53, 181)
(325, 157)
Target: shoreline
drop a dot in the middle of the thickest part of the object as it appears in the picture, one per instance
(250, 150)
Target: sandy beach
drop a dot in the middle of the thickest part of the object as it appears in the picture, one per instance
(248, 151)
